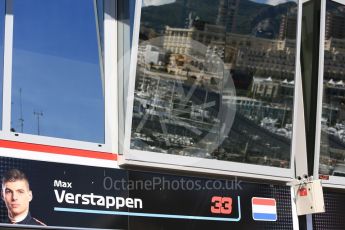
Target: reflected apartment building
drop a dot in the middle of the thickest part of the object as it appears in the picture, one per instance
(334, 67)
(267, 57)
(260, 58)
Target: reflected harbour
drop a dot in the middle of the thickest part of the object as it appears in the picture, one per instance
(215, 80)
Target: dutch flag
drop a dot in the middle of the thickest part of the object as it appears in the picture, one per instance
(264, 209)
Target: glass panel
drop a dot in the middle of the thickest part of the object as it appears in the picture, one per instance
(100, 20)
(57, 85)
(2, 29)
(310, 44)
(215, 79)
(125, 19)
(131, 17)
(332, 149)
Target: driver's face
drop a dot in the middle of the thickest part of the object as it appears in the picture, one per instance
(17, 196)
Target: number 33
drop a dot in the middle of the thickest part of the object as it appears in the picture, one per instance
(221, 205)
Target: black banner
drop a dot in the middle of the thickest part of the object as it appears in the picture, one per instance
(68, 195)
(334, 217)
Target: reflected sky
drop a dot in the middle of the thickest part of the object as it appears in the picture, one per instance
(157, 2)
(272, 2)
(163, 2)
(56, 68)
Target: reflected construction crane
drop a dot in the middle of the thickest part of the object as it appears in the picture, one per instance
(21, 118)
(38, 115)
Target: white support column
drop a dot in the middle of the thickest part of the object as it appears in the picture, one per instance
(131, 81)
(121, 65)
(320, 88)
(299, 147)
(110, 70)
(7, 84)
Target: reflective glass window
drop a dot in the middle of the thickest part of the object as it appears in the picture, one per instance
(332, 145)
(125, 24)
(100, 24)
(215, 80)
(57, 69)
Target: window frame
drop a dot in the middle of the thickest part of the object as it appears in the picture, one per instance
(333, 181)
(3, 3)
(108, 78)
(133, 157)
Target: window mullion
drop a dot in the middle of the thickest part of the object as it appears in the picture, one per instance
(299, 148)
(7, 84)
(101, 59)
(110, 74)
(320, 90)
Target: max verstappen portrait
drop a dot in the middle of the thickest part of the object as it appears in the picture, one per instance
(17, 196)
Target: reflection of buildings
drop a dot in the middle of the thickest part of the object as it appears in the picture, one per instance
(226, 14)
(257, 110)
(246, 53)
(150, 55)
(334, 92)
(333, 107)
(269, 57)
(288, 27)
(272, 89)
(178, 40)
(334, 60)
(265, 88)
(335, 24)
(185, 57)
(198, 54)
(334, 67)
(278, 62)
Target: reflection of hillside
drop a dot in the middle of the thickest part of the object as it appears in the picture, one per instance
(249, 14)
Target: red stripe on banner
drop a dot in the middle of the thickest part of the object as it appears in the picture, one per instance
(57, 150)
(261, 201)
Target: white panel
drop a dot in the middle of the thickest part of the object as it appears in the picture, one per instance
(299, 148)
(111, 83)
(49, 157)
(7, 84)
(320, 89)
